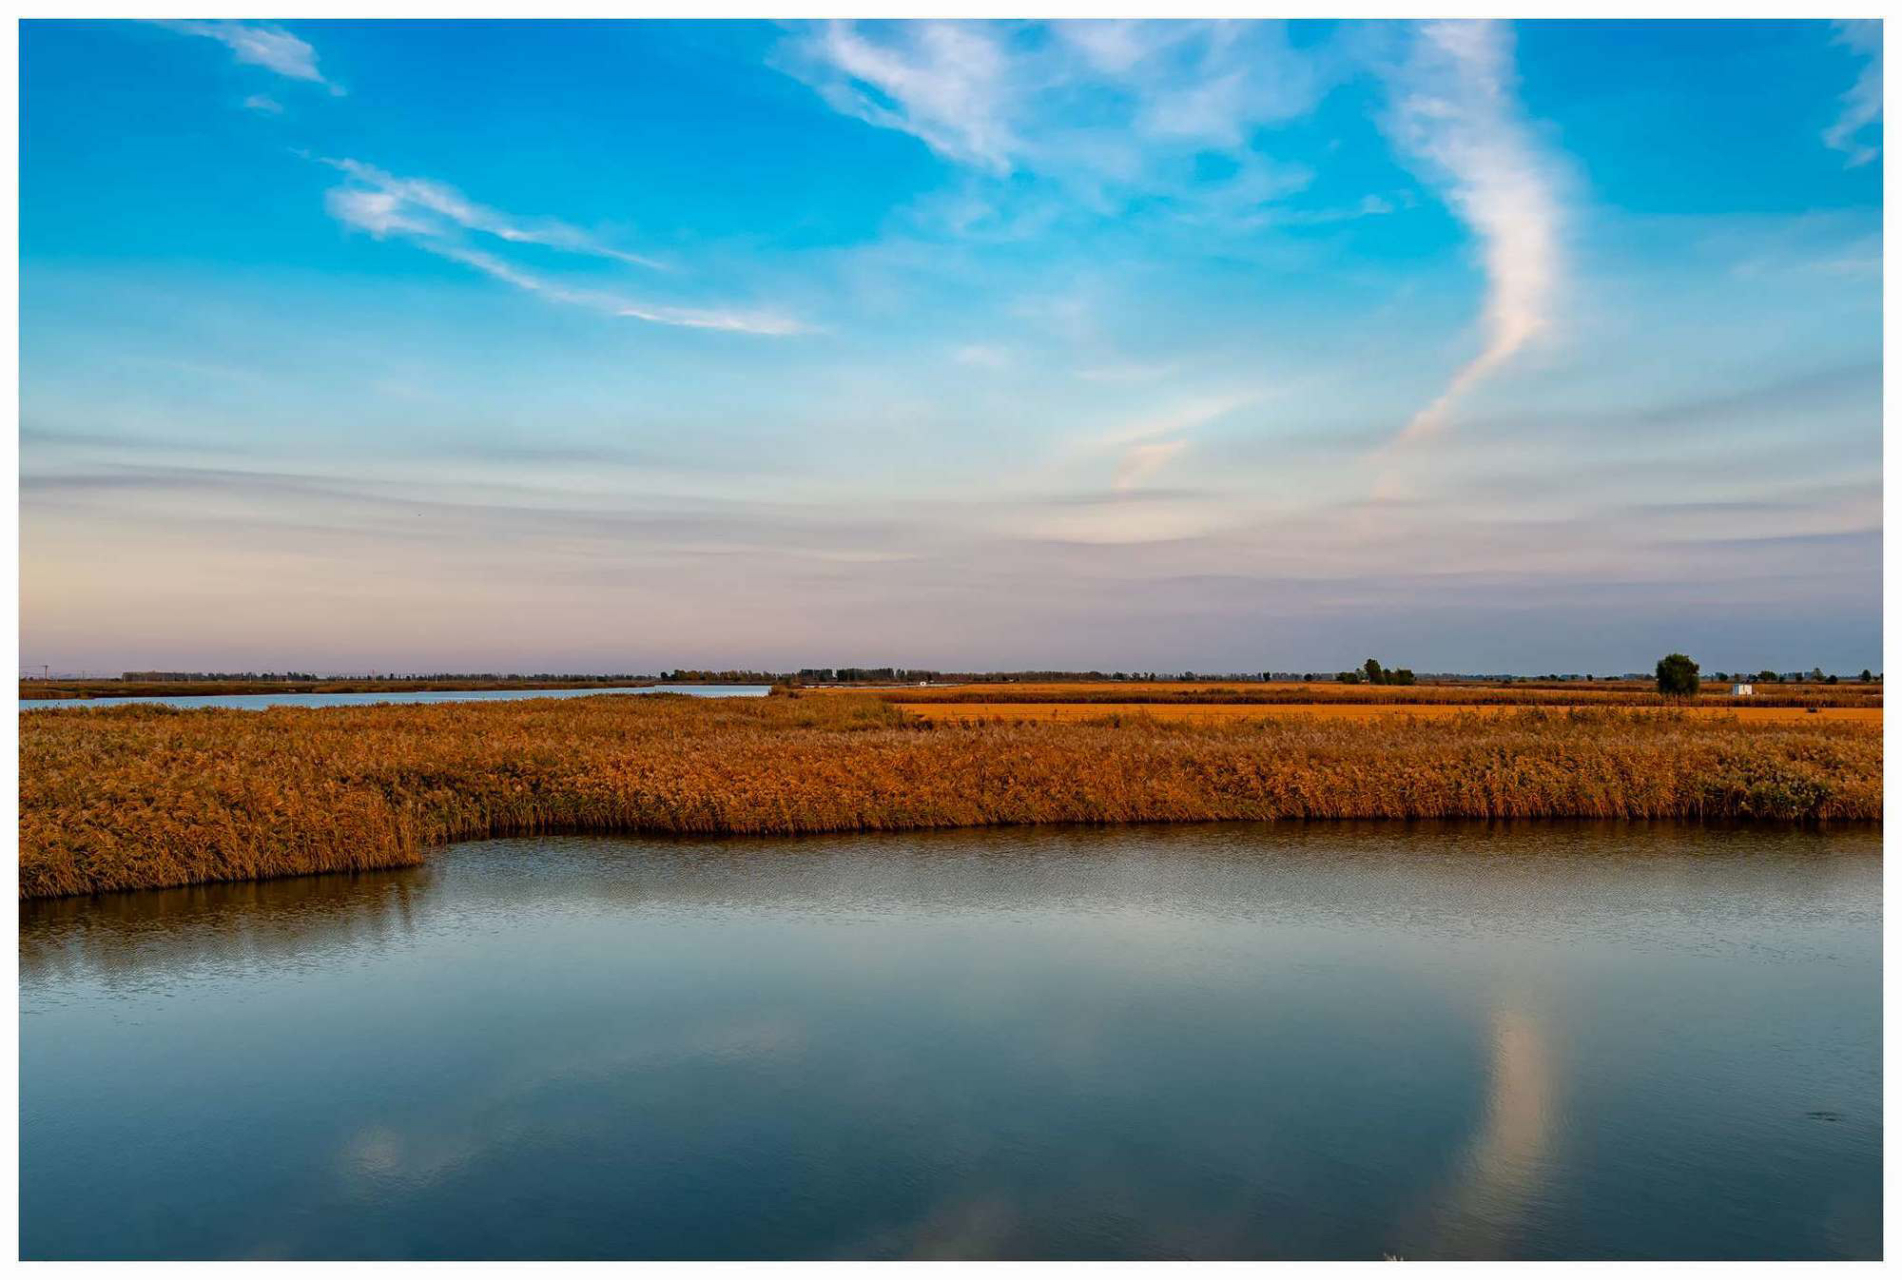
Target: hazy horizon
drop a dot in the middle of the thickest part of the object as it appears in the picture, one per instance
(691, 671)
(969, 346)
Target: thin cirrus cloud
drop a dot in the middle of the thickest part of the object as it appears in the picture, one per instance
(261, 46)
(946, 83)
(1456, 113)
(1144, 460)
(439, 219)
(1107, 110)
(729, 321)
(385, 202)
(1862, 104)
(1149, 444)
(1116, 110)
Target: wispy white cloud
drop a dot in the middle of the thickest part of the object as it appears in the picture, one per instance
(264, 103)
(724, 319)
(417, 202)
(765, 323)
(1144, 460)
(377, 212)
(1108, 110)
(1144, 445)
(1456, 112)
(947, 83)
(1188, 415)
(269, 47)
(1862, 105)
(437, 218)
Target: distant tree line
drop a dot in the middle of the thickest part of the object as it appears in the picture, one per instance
(1372, 673)
(685, 676)
(1678, 676)
(1813, 676)
(539, 677)
(1369, 672)
(861, 675)
(217, 675)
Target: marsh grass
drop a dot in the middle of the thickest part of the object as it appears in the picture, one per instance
(147, 797)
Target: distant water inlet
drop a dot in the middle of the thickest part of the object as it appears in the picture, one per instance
(1432, 1040)
(259, 701)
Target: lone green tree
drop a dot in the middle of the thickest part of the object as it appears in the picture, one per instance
(1677, 676)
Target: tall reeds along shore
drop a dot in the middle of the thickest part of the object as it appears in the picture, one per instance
(147, 797)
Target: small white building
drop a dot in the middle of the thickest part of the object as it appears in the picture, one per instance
(1742, 690)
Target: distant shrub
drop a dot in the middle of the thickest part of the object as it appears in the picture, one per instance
(1677, 676)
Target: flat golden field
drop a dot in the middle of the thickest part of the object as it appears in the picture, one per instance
(1010, 712)
(1521, 693)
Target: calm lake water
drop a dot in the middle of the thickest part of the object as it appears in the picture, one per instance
(1430, 1040)
(259, 701)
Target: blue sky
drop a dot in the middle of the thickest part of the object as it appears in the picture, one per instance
(529, 346)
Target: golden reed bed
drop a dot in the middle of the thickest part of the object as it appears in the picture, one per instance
(144, 797)
(1602, 693)
(1011, 712)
